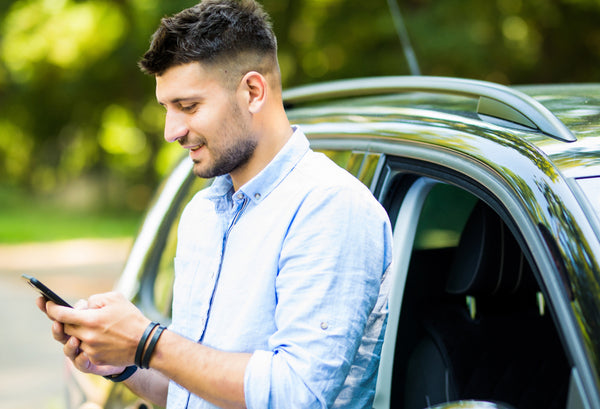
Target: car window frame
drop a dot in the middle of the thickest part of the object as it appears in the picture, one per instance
(394, 199)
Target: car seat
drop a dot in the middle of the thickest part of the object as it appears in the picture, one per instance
(499, 346)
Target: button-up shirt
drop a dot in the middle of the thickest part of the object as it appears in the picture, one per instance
(291, 268)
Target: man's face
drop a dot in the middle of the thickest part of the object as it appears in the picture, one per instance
(206, 118)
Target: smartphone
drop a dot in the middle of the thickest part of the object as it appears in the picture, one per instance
(45, 291)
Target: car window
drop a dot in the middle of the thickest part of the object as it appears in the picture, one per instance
(363, 165)
(443, 217)
(343, 158)
(369, 168)
(473, 323)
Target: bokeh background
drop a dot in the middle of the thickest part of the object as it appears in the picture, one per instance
(81, 146)
(80, 129)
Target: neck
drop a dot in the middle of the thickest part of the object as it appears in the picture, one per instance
(273, 134)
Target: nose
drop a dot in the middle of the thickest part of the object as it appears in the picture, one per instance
(175, 126)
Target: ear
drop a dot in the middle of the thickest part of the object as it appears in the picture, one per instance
(254, 88)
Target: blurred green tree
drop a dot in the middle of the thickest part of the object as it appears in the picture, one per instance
(74, 106)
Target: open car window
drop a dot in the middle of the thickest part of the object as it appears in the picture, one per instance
(472, 322)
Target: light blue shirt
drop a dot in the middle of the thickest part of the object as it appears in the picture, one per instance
(290, 268)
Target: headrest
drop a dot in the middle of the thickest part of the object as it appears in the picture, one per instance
(488, 259)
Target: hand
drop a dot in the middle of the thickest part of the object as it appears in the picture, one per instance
(57, 328)
(71, 344)
(102, 337)
(82, 362)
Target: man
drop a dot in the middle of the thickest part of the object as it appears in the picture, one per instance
(279, 295)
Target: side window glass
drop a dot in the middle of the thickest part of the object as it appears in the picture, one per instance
(354, 162)
(368, 168)
(342, 157)
(363, 165)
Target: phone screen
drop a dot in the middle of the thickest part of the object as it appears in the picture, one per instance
(45, 291)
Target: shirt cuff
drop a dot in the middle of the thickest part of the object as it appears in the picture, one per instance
(257, 380)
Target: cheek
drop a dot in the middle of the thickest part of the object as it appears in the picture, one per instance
(211, 118)
(202, 123)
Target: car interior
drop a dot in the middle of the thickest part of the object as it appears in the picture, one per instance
(473, 322)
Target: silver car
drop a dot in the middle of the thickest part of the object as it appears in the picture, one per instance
(494, 195)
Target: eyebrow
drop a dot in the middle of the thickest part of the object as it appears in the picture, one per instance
(179, 100)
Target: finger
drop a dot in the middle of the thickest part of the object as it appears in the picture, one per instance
(83, 363)
(66, 315)
(71, 348)
(58, 332)
(104, 299)
(41, 304)
(81, 305)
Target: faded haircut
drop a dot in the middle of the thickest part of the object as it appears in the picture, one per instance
(234, 36)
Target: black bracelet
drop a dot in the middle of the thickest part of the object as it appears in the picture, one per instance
(130, 370)
(140, 348)
(151, 345)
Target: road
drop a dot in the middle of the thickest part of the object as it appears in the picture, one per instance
(31, 362)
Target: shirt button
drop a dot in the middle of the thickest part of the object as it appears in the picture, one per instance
(257, 196)
(240, 196)
(324, 325)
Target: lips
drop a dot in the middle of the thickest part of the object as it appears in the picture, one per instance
(191, 147)
(195, 151)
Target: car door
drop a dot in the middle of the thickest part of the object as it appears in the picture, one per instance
(470, 317)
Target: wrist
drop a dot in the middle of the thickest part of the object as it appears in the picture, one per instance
(139, 352)
(144, 352)
(151, 345)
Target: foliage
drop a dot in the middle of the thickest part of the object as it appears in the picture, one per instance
(25, 220)
(74, 104)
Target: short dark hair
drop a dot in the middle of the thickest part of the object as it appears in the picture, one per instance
(234, 32)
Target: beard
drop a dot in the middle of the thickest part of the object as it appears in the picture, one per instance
(229, 159)
(232, 150)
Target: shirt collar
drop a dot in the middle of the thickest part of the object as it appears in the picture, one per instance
(259, 187)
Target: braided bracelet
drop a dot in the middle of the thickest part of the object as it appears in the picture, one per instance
(142, 344)
(151, 345)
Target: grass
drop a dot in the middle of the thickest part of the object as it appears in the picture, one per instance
(27, 218)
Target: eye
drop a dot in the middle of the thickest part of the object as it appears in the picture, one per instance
(188, 108)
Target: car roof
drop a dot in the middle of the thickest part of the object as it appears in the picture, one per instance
(561, 122)
(578, 107)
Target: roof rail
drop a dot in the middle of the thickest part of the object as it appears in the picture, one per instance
(495, 100)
